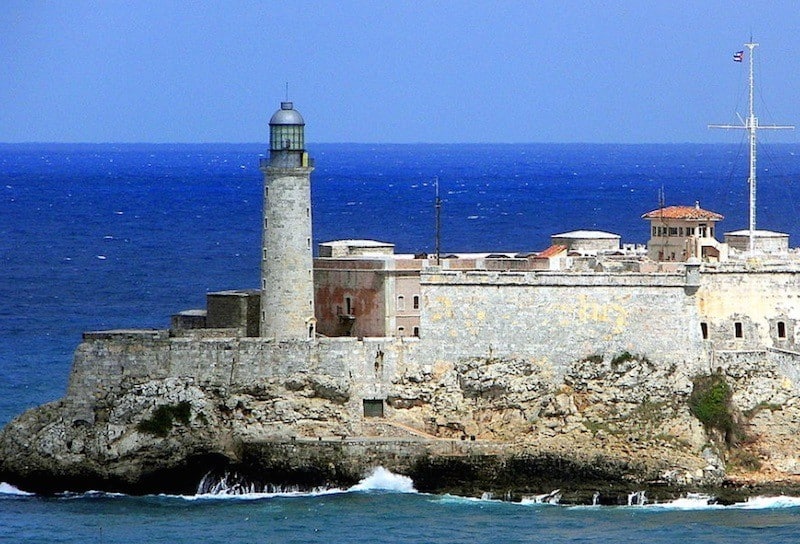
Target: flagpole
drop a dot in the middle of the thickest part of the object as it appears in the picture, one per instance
(752, 126)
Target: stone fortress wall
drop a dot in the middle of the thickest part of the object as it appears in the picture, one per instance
(550, 319)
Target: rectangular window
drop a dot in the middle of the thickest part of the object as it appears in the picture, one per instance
(673, 231)
(655, 231)
(738, 329)
(416, 332)
(704, 330)
(348, 306)
(781, 329)
(401, 303)
(416, 302)
(373, 408)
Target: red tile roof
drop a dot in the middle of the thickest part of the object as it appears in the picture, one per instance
(695, 213)
(551, 251)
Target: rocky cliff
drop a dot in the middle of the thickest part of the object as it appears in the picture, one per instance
(611, 424)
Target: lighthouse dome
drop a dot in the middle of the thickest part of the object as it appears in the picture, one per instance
(287, 115)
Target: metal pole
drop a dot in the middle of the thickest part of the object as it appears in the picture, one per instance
(438, 206)
(752, 124)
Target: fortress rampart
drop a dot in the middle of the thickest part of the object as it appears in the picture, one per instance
(547, 318)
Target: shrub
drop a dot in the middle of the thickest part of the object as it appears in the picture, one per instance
(623, 357)
(160, 424)
(745, 459)
(710, 402)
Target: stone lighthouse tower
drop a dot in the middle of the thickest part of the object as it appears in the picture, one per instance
(287, 281)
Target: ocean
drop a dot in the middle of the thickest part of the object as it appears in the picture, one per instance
(107, 236)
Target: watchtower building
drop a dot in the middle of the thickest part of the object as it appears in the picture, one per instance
(287, 282)
(678, 233)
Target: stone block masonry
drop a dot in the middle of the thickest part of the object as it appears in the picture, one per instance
(560, 318)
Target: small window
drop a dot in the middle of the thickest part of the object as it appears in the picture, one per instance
(738, 329)
(373, 408)
(416, 302)
(401, 330)
(401, 303)
(781, 329)
(704, 330)
(416, 332)
(348, 306)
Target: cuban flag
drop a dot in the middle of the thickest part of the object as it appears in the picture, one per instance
(738, 56)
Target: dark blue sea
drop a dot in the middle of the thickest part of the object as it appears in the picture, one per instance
(100, 236)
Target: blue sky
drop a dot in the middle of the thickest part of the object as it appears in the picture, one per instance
(422, 71)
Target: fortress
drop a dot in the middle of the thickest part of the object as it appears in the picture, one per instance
(588, 345)
(368, 316)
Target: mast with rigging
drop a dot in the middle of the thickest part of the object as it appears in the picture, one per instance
(751, 125)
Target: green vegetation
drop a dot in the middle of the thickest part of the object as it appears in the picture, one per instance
(623, 357)
(160, 424)
(626, 357)
(710, 402)
(596, 358)
(649, 412)
(744, 459)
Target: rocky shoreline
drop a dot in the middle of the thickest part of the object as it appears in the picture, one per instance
(506, 428)
(35, 456)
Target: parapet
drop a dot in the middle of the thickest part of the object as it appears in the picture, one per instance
(127, 334)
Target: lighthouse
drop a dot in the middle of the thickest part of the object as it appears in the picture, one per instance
(287, 281)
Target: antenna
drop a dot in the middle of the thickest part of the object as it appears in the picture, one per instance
(438, 208)
(287, 91)
(751, 125)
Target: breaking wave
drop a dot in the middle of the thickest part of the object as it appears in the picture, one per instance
(8, 489)
(231, 484)
(381, 479)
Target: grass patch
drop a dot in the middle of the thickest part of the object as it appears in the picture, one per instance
(649, 412)
(164, 417)
(744, 459)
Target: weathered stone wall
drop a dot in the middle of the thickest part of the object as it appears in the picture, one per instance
(109, 360)
(560, 318)
(758, 300)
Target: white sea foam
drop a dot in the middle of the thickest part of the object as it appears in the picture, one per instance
(233, 486)
(692, 501)
(781, 501)
(255, 496)
(385, 480)
(458, 499)
(700, 501)
(546, 498)
(8, 489)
